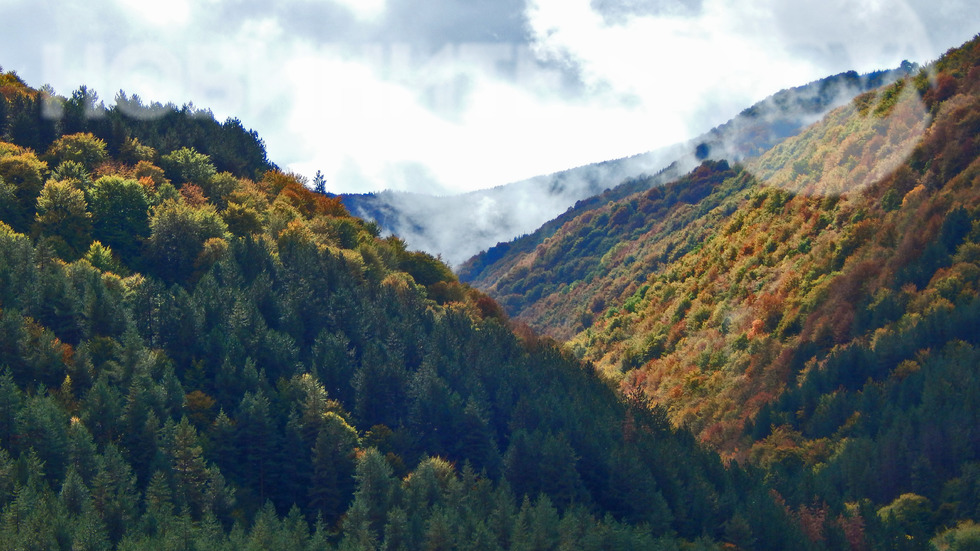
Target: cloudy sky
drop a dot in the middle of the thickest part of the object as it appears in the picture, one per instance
(442, 96)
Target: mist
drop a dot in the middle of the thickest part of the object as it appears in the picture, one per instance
(457, 227)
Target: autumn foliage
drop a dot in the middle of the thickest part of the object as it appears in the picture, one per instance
(795, 311)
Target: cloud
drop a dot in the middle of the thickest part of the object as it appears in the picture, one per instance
(364, 9)
(453, 95)
(704, 59)
(158, 13)
(621, 11)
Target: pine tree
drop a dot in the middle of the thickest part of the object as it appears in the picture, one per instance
(377, 490)
(114, 493)
(319, 183)
(256, 435)
(81, 449)
(158, 505)
(43, 426)
(10, 404)
(332, 486)
(190, 472)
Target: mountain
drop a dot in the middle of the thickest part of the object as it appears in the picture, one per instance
(194, 354)
(456, 227)
(812, 312)
(197, 351)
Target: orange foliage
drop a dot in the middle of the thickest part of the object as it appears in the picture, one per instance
(193, 195)
(148, 185)
(811, 520)
(290, 188)
(67, 354)
(13, 88)
(274, 181)
(737, 287)
(489, 308)
(200, 406)
(146, 169)
(109, 168)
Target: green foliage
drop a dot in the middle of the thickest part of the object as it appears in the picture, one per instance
(120, 209)
(187, 166)
(185, 409)
(9, 211)
(425, 269)
(63, 219)
(26, 174)
(177, 237)
(132, 151)
(962, 537)
(219, 186)
(83, 148)
(269, 373)
(102, 258)
(71, 171)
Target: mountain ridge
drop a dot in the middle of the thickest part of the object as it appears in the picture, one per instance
(224, 359)
(457, 227)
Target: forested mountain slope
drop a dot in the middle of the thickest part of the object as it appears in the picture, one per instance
(456, 227)
(814, 312)
(211, 356)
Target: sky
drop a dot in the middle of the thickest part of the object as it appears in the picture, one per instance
(448, 96)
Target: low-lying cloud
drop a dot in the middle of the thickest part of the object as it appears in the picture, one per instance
(457, 227)
(447, 96)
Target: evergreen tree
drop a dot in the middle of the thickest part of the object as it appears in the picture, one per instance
(377, 491)
(121, 211)
(114, 493)
(332, 485)
(257, 439)
(320, 183)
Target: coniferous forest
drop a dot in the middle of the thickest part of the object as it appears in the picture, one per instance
(199, 351)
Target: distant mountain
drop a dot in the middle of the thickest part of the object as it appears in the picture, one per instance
(813, 312)
(460, 226)
(455, 227)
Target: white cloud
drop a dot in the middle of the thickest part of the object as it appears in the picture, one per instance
(158, 13)
(458, 113)
(727, 55)
(364, 9)
(346, 121)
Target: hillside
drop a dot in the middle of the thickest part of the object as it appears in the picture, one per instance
(456, 227)
(197, 354)
(812, 312)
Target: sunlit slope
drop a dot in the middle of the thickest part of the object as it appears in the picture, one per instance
(711, 293)
(457, 227)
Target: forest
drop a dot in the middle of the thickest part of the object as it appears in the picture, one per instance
(199, 351)
(811, 312)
